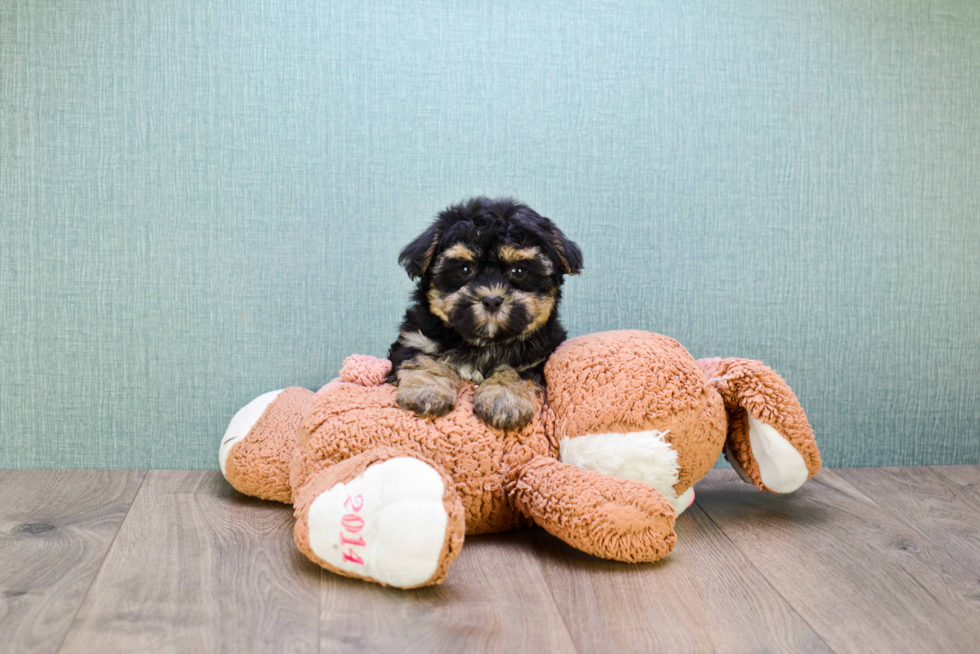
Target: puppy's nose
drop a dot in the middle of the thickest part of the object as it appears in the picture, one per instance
(493, 302)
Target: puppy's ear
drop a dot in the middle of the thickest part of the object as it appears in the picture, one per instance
(569, 256)
(417, 255)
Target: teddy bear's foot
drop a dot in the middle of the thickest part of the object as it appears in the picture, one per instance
(781, 468)
(384, 516)
(684, 501)
(770, 443)
(257, 448)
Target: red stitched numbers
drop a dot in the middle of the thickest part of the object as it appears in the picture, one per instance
(352, 523)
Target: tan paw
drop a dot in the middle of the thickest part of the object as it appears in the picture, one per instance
(505, 401)
(427, 387)
(430, 401)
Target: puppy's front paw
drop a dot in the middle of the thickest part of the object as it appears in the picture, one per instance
(505, 401)
(430, 401)
(427, 387)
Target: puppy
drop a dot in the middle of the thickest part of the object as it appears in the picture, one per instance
(485, 309)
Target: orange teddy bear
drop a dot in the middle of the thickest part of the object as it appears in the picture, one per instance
(629, 422)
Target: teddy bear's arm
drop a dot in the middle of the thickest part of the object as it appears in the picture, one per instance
(770, 442)
(602, 515)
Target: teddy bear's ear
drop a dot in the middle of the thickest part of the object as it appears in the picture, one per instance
(417, 255)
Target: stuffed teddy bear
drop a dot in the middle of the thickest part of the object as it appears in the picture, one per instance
(629, 421)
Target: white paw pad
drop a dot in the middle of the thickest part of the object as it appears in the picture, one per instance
(683, 501)
(388, 523)
(781, 467)
(242, 423)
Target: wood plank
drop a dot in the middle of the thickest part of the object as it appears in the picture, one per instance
(966, 477)
(55, 529)
(198, 567)
(942, 511)
(494, 600)
(863, 579)
(704, 597)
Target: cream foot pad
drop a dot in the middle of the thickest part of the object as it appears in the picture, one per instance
(241, 424)
(781, 467)
(388, 523)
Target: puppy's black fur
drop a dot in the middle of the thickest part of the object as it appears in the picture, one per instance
(485, 309)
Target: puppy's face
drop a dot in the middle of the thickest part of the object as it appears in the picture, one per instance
(494, 292)
(492, 269)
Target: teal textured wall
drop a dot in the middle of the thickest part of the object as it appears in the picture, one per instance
(202, 201)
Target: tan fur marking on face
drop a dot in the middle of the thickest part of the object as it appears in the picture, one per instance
(490, 322)
(460, 251)
(506, 401)
(513, 254)
(487, 291)
(427, 386)
(456, 252)
(538, 306)
(441, 305)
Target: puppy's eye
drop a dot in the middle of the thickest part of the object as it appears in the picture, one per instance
(466, 271)
(518, 272)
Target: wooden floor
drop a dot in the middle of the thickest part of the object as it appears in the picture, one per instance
(858, 560)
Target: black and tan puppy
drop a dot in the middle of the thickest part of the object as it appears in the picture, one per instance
(485, 309)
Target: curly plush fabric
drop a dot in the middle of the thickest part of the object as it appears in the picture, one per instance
(666, 417)
(598, 514)
(327, 478)
(365, 370)
(348, 419)
(260, 463)
(656, 385)
(751, 387)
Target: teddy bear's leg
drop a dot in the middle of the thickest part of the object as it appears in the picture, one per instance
(256, 450)
(386, 515)
(770, 442)
(605, 516)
